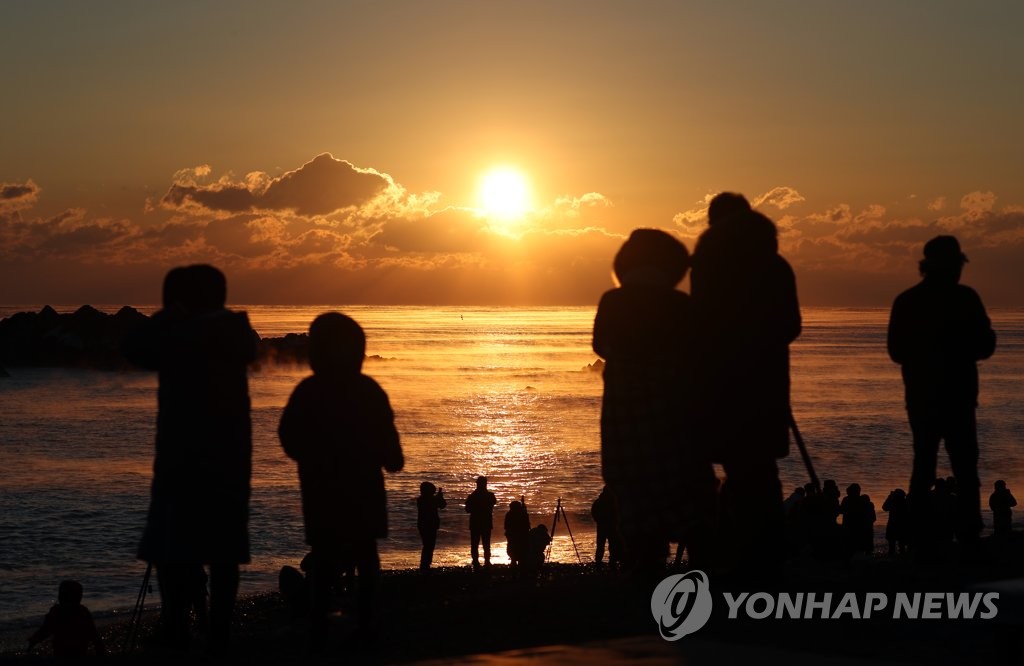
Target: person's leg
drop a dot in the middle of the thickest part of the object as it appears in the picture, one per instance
(602, 536)
(223, 592)
(753, 517)
(926, 435)
(474, 538)
(429, 543)
(485, 535)
(172, 580)
(368, 567)
(962, 445)
(323, 571)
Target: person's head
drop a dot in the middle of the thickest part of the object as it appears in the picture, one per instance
(1000, 485)
(726, 207)
(337, 344)
(651, 257)
(943, 259)
(427, 489)
(481, 482)
(853, 490)
(515, 505)
(69, 593)
(175, 291)
(196, 289)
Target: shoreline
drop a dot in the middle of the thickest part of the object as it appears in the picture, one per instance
(453, 612)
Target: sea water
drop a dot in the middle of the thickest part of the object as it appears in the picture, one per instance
(504, 392)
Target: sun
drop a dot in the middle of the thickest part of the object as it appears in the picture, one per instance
(504, 194)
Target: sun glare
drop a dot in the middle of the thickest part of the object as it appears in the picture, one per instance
(504, 194)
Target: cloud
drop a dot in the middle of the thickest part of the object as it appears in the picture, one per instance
(18, 195)
(690, 223)
(977, 204)
(937, 204)
(779, 197)
(332, 232)
(322, 186)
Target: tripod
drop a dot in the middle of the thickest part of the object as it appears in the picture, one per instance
(560, 512)
(136, 617)
(803, 451)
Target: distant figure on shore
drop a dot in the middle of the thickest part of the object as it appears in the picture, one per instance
(480, 506)
(938, 331)
(664, 487)
(71, 626)
(859, 517)
(1001, 501)
(746, 306)
(536, 546)
(339, 427)
(517, 532)
(897, 528)
(428, 520)
(199, 499)
(605, 513)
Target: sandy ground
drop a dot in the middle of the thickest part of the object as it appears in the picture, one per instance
(576, 615)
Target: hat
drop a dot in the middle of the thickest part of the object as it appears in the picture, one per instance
(944, 249)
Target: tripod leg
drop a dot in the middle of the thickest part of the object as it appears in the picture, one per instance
(140, 601)
(571, 538)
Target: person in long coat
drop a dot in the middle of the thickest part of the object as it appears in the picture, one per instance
(339, 427)
(747, 313)
(643, 330)
(199, 498)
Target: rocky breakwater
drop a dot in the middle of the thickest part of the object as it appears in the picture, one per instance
(89, 338)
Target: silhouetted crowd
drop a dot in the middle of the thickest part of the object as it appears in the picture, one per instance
(690, 381)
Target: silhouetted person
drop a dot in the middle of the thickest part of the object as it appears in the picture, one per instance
(339, 427)
(1001, 501)
(199, 498)
(819, 514)
(70, 624)
(428, 520)
(517, 532)
(747, 312)
(793, 512)
(536, 546)
(294, 589)
(897, 528)
(663, 485)
(480, 506)
(938, 331)
(605, 512)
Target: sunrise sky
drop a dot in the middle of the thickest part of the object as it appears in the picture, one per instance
(336, 152)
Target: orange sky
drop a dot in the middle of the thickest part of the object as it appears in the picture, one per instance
(331, 152)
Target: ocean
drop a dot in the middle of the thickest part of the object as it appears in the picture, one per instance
(504, 392)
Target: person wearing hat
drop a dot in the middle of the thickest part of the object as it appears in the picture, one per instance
(938, 331)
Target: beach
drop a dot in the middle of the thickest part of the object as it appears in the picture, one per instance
(578, 614)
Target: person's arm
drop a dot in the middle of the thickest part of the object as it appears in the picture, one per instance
(294, 419)
(43, 633)
(601, 340)
(983, 340)
(94, 636)
(788, 321)
(385, 432)
(441, 503)
(896, 335)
